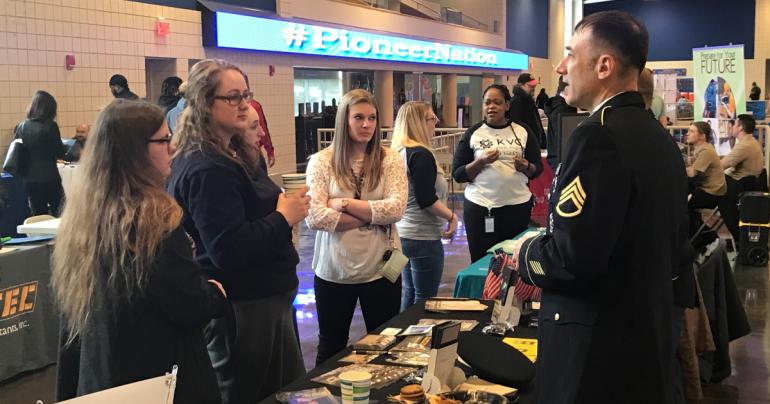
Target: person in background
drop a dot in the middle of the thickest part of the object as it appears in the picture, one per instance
(553, 108)
(614, 240)
(173, 114)
(422, 226)
(755, 91)
(541, 99)
(133, 299)
(745, 159)
(119, 88)
(42, 142)
(707, 179)
(169, 93)
(241, 224)
(742, 167)
(250, 138)
(74, 152)
(523, 110)
(265, 141)
(646, 86)
(497, 158)
(359, 190)
(652, 102)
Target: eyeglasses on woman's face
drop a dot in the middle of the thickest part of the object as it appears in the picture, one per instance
(166, 140)
(235, 99)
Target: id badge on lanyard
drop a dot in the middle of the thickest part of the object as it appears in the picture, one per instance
(489, 222)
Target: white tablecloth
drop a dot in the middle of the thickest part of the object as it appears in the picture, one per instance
(46, 227)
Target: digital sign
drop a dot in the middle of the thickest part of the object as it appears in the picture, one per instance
(264, 34)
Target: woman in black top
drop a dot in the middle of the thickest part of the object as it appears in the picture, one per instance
(134, 300)
(42, 141)
(241, 223)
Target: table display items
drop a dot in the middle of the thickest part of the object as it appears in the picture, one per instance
(465, 325)
(446, 305)
(422, 351)
(320, 395)
(355, 386)
(382, 375)
(507, 311)
(442, 375)
(374, 342)
(414, 394)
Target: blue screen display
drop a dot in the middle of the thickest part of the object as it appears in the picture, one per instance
(263, 34)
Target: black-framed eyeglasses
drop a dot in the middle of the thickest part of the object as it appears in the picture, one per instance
(236, 99)
(164, 140)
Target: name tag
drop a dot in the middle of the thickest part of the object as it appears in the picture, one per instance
(489, 224)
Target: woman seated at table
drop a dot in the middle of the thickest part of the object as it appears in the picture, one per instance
(123, 271)
(706, 177)
(358, 190)
(497, 158)
(422, 226)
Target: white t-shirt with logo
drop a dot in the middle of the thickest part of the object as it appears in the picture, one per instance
(499, 184)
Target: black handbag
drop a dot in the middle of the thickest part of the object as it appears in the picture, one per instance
(17, 159)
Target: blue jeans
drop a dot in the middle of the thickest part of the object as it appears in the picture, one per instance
(422, 274)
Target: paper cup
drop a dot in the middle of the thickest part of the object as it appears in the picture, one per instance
(293, 182)
(355, 386)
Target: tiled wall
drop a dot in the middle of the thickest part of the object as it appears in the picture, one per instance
(115, 36)
(106, 37)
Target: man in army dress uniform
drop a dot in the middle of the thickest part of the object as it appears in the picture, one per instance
(616, 227)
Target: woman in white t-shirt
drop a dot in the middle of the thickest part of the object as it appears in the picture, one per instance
(497, 158)
(359, 190)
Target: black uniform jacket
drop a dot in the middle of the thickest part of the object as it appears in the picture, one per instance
(616, 229)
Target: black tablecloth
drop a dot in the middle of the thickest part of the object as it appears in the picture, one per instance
(14, 207)
(28, 321)
(409, 317)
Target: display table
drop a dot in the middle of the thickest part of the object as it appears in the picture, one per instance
(15, 204)
(28, 320)
(470, 281)
(46, 227)
(403, 320)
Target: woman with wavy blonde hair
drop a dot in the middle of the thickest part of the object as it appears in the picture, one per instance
(359, 190)
(133, 299)
(241, 224)
(422, 226)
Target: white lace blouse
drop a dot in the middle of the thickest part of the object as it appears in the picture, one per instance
(355, 255)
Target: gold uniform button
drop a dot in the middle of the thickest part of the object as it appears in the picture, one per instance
(556, 317)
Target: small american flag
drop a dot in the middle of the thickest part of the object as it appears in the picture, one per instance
(495, 278)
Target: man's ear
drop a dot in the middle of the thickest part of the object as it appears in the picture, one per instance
(606, 66)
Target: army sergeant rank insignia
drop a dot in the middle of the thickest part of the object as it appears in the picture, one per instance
(571, 199)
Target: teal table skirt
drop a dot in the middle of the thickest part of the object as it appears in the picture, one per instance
(470, 281)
